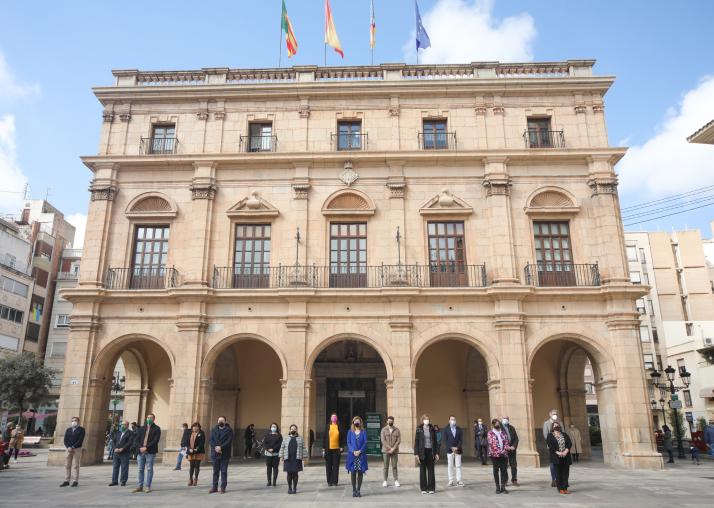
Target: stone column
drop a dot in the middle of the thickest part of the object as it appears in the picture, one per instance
(203, 190)
(99, 218)
(401, 391)
(299, 215)
(497, 182)
(297, 383)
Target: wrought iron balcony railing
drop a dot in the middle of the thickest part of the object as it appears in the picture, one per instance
(262, 143)
(358, 276)
(159, 146)
(141, 278)
(559, 274)
(437, 141)
(349, 141)
(538, 138)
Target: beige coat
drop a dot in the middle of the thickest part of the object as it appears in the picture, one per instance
(390, 439)
(577, 440)
(17, 438)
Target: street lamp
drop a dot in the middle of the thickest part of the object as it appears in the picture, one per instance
(117, 386)
(674, 403)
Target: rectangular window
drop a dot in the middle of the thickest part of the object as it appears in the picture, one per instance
(681, 367)
(10, 314)
(163, 138)
(650, 307)
(640, 305)
(447, 254)
(554, 260)
(434, 135)
(62, 321)
(151, 250)
(33, 332)
(251, 256)
(655, 337)
(41, 277)
(635, 278)
(687, 398)
(539, 133)
(645, 278)
(648, 361)
(659, 363)
(631, 253)
(260, 137)
(13, 286)
(644, 334)
(643, 258)
(348, 255)
(349, 135)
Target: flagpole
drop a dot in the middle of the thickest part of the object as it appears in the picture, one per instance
(325, 54)
(280, 46)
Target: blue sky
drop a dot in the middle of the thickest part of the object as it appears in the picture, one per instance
(52, 53)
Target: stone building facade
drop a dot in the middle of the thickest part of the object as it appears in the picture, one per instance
(278, 244)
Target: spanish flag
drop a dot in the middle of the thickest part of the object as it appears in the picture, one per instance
(290, 40)
(331, 37)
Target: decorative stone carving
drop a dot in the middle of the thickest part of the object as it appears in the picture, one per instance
(348, 202)
(304, 111)
(300, 190)
(151, 205)
(498, 110)
(202, 115)
(550, 198)
(203, 191)
(103, 193)
(602, 186)
(480, 110)
(125, 117)
(500, 186)
(393, 110)
(445, 203)
(445, 198)
(219, 115)
(598, 108)
(253, 202)
(348, 175)
(397, 188)
(253, 206)
(108, 116)
(580, 109)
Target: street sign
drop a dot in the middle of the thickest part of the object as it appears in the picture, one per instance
(674, 396)
(374, 428)
(675, 404)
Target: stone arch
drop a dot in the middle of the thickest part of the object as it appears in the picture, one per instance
(348, 202)
(209, 359)
(603, 361)
(151, 204)
(107, 356)
(324, 344)
(551, 198)
(480, 346)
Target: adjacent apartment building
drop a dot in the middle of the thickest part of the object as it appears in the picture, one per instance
(281, 244)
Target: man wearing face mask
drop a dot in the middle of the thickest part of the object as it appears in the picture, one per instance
(510, 431)
(547, 429)
(454, 439)
(123, 439)
(147, 440)
(332, 444)
(221, 443)
(73, 439)
(426, 451)
(481, 440)
(390, 437)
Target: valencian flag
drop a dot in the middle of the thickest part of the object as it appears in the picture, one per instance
(331, 37)
(372, 26)
(290, 40)
(422, 38)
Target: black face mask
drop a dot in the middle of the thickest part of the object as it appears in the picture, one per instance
(221, 424)
(357, 424)
(293, 432)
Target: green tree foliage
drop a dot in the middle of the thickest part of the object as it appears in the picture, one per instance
(24, 381)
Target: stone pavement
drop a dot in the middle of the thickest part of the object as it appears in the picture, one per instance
(31, 483)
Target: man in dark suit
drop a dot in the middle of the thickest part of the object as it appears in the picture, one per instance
(123, 440)
(147, 439)
(513, 440)
(221, 447)
(73, 439)
(454, 442)
(481, 440)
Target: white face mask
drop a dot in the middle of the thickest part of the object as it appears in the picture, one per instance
(273, 428)
(426, 422)
(75, 423)
(553, 417)
(505, 421)
(452, 423)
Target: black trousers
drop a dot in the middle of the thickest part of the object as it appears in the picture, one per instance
(514, 467)
(248, 448)
(562, 472)
(482, 453)
(426, 471)
(220, 467)
(500, 466)
(332, 466)
(271, 466)
(193, 469)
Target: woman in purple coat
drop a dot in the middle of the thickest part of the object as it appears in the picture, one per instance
(356, 463)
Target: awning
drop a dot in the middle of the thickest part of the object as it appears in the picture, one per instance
(707, 392)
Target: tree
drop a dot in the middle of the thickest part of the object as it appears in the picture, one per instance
(24, 381)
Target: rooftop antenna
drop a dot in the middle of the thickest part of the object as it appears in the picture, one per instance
(48, 191)
(26, 192)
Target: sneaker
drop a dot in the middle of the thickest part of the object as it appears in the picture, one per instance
(147, 490)
(423, 491)
(451, 483)
(138, 489)
(384, 483)
(431, 492)
(460, 484)
(64, 484)
(396, 483)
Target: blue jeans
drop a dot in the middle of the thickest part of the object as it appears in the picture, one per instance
(553, 470)
(220, 467)
(146, 459)
(179, 459)
(120, 461)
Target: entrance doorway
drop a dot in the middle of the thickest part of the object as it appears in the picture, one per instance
(351, 397)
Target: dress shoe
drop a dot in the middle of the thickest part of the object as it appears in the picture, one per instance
(64, 484)
(566, 491)
(75, 484)
(498, 490)
(113, 484)
(190, 483)
(138, 489)
(514, 483)
(553, 484)
(213, 491)
(223, 491)
(123, 484)
(503, 490)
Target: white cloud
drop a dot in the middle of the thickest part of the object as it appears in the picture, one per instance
(79, 221)
(462, 31)
(10, 88)
(666, 163)
(11, 177)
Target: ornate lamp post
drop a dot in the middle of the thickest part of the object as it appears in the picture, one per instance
(117, 386)
(674, 402)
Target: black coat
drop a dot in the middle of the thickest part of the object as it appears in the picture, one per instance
(419, 441)
(222, 437)
(450, 441)
(481, 436)
(326, 437)
(152, 444)
(199, 446)
(73, 438)
(552, 443)
(272, 442)
(123, 440)
(512, 435)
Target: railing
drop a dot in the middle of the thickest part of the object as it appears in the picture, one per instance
(141, 278)
(382, 276)
(67, 275)
(349, 141)
(158, 146)
(263, 143)
(373, 73)
(550, 273)
(437, 140)
(537, 138)
(251, 76)
(171, 78)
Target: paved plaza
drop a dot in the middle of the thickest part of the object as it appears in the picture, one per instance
(31, 482)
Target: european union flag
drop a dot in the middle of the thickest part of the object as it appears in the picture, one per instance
(422, 38)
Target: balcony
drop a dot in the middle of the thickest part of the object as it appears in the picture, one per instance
(349, 141)
(258, 143)
(141, 278)
(437, 140)
(448, 275)
(67, 275)
(538, 138)
(159, 146)
(557, 274)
